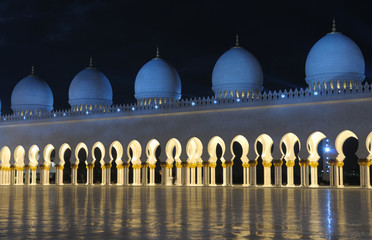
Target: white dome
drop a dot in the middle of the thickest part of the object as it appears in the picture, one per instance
(32, 94)
(237, 69)
(334, 57)
(157, 79)
(90, 87)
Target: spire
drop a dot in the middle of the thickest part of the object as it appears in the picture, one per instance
(32, 70)
(90, 62)
(334, 25)
(237, 40)
(157, 52)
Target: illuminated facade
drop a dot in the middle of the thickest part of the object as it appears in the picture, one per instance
(335, 106)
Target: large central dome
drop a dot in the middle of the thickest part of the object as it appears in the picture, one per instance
(237, 70)
(157, 80)
(334, 57)
(90, 87)
(32, 94)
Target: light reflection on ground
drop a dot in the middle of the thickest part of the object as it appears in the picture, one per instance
(61, 212)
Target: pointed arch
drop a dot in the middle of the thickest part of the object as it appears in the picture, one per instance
(212, 145)
(267, 143)
(289, 140)
(172, 144)
(5, 156)
(101, 147)
(245, 147)
(151, 147)
(79, 147)
(339, 143)
(136, 149)
(312, 145)
(19, 156)
(119, 152)
(47, 154)
(61, 153)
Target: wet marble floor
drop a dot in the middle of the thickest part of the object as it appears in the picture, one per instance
(97, 212)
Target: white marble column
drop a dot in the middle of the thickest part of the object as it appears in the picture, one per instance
(314, 174)
(267, 173)
(74, 168)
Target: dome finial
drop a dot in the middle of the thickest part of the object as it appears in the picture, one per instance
(157, 52)
(237, 40)
(32, 70)
(334, 25)
(90, 61)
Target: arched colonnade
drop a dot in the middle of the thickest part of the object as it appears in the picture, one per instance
(16, 168)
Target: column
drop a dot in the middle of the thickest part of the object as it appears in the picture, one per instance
(27, 175)
(267, 173)
(19, 177)
(178, 174)
(224, 182)
(137, 174)
(59, 174)
(332, 173)
(74, 168)
(314, 174)
(290, 165)
(304, 165)
(252, 177)
(152, 174)
(192, 167)
(278, 173)
(125, 176)
(164, 173)
(33, 175)
(340, 169)
(90, 168)
(119, 174)
(205, 173)
(13, 175)
(169, 179)
(212, 168)
(144, 173)
(106, 174)
(199, 168)
(185, 174)
(245, 166)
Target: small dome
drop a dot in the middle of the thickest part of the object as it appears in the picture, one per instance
(157, 79)
(90, 87)
(334, 57)
(32, 94)
(237, 70)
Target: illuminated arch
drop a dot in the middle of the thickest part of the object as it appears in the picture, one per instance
(339, 143)
(119, 152)
(245, 146)
(194, 150)
(151, 147)
(101, 147)
(47, 153)
(289, 140)
(136, 148)
(77, 149)
(19, 156)
(267, 143)
(312, 145)
(5, 155)
(172, 144)
(61, 153)
(212, 145)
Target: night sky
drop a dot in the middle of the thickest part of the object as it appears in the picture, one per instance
(59, 36)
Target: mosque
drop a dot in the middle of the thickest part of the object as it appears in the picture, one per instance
(278, 132)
